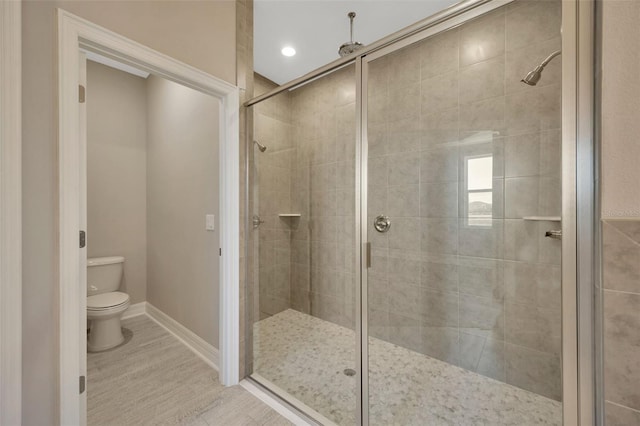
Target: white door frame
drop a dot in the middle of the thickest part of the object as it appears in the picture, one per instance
(10, 213)
(75, 33)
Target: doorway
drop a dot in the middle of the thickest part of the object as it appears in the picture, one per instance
(76, 34)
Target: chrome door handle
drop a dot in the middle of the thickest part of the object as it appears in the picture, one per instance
(382, 223)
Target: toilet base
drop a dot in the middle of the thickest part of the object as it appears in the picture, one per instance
(105, 334)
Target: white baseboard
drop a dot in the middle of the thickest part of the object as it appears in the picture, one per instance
(135, 310)
(273, 403)
(195, 343)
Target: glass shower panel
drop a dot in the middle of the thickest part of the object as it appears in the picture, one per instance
(463, 312)
(304, 339)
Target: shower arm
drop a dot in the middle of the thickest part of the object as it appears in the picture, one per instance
(351, 16)
(549, 58)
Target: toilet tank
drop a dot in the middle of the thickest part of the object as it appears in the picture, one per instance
(104, 274)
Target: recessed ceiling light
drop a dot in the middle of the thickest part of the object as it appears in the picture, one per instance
(288, 51)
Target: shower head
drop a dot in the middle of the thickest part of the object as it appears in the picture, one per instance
(261, 147)
(533, 77)
(351, 46)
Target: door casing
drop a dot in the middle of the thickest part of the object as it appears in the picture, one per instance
(75, 33)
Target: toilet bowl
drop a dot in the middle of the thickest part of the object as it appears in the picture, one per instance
(105, 305)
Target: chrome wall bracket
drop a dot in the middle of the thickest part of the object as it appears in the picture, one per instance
(555, 234)
(257, 221)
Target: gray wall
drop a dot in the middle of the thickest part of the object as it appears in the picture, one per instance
(177, 181)
(201, 34)
(620, 108)
(182, 186)
(117, 172)
(621, 210)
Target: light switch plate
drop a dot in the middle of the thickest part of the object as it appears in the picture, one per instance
(210, 221)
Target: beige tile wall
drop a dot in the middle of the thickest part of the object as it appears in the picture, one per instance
(307, 263)
(323, 241)
(484, 298)
(272, 196)
(621, 297)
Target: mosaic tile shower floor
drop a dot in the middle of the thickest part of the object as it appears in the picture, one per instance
(306, 356)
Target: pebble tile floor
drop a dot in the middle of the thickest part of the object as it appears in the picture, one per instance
(306, 356)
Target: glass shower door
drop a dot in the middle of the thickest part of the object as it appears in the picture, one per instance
(304, 275)
(463, 169)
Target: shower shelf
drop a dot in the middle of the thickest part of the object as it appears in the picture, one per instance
(289, 215)
(544, 218)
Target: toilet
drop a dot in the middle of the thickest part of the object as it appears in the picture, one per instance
(105, 305)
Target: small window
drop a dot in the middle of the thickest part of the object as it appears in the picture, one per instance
(479, 190)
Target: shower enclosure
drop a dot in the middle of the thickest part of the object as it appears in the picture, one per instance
(406, 264)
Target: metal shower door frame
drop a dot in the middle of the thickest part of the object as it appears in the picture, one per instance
(579, 192)
(458, 17)
(579, 195)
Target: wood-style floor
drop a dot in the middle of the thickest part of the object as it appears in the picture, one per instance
(153, 379)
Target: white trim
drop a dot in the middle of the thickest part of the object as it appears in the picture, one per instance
(195, 343)
(10, 213)
(230, 241)
(82, 214)
(95, 57)
(135, 310)
(273, 403)
(75, 33)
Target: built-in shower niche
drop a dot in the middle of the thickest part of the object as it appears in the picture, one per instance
(292, 220)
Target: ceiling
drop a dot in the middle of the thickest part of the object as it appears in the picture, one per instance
(317, 28)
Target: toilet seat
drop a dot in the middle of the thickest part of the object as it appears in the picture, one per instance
(104, 301)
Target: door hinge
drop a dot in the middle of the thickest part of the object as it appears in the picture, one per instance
(81, 94)
(83, 384)
(83, 239)
(367, 248)
(220, 251)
